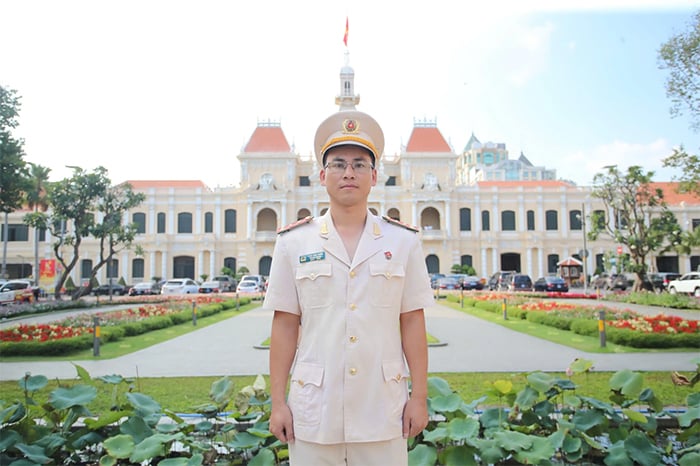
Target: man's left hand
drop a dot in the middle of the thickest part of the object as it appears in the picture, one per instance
(415, 417)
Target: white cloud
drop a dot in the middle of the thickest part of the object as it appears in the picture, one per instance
(582, 166)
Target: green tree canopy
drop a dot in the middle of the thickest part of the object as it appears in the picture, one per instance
(641, 219)
(81, 206)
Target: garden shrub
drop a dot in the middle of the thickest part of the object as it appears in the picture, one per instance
(545, 318)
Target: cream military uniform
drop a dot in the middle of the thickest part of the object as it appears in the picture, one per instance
(349, 378)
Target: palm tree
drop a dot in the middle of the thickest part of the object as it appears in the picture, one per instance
(36, 200)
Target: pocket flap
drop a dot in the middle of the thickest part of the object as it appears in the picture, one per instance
(387, 269)
(312, 271)
(394, 370)
(305, 373)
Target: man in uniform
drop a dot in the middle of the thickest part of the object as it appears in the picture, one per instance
(348, 291)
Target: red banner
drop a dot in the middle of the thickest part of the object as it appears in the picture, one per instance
(345, 37)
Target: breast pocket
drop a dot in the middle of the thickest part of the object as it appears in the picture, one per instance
(386, 283)
(305, 396)
(314, 284)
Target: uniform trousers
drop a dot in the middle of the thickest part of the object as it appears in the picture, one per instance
(388, 453)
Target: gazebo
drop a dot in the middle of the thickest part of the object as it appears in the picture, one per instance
(570, 270)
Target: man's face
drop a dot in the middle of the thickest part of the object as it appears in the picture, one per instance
(348, 175)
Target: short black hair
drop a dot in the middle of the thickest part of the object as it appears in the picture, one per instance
(369, 152)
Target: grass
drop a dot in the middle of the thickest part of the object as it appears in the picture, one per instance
(126, 345)
(562, 337)
(183, 394)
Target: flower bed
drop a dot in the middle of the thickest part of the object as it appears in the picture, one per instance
(75, 333)
(625, 327)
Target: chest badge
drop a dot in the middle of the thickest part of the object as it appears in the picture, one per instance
(316, 256)
(387, 255)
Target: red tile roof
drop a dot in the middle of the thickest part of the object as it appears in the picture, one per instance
(427, 139)
(147, 184)
(673, 197)
(267, 138)
(526, 184)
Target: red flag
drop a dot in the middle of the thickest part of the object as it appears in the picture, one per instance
(345, 37)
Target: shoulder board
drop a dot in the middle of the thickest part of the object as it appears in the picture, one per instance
(401, 224)
(292, 226)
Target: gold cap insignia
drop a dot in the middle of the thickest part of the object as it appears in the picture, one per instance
(351, 126)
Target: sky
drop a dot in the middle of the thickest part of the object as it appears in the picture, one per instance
(173, 90)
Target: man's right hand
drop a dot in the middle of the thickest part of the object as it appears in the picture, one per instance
(281, 423)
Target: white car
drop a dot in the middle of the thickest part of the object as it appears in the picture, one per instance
(180, 286)
(248, 286)
(687, 284)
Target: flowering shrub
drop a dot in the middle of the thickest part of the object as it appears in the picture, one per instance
(659, 323)
(44, 332)
(82, 324)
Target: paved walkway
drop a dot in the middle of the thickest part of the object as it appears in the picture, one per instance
(228, 348)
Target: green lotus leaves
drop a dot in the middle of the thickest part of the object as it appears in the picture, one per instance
(79, 395)
(627, 382)
(422, 455)
(33, 383)
(120, 446)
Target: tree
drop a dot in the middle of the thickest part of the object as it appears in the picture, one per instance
(111, 232)
(37, 201)
(13, 169)
(681, 56)
(71, 216)
(642, 220)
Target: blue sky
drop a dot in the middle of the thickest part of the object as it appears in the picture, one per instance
(173, 90)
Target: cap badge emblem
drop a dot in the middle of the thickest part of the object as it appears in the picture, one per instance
(351, 126)
(387, 254)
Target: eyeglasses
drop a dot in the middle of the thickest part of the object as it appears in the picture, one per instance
(358, 166)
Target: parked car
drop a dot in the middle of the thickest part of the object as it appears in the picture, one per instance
(180, 286)
(434, 277)
(687, 284)
(211, 286)
(117, 289)
(248, 286)
(606, 281)
(226, 283)
(144, 288)
(258, 279)
(520, 282)
(658, 281)
(550, 283)
(472, 283)
(448, 283)
(499, 280)
(14, 291)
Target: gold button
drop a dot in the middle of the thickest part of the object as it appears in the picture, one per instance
(352, 274)
(387, 275)
(398, 377)
(353, 307)
(353, 371)
(353, 338)
(300, 382)
(313, 276)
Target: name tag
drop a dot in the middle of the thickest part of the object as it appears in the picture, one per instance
(316, 256)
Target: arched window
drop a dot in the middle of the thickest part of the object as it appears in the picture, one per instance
(552, 220)
(184, 223)
(465, 219)
(139, 219)
(393, 213)
(508, 220)
(137, 268)
(161, 222)
(230, 221)
(575, 220)
(531, 220)
(485, 220)
(208, 222)
(183, 267)
(267, 220)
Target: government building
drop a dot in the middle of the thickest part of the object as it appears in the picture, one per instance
(473, 207)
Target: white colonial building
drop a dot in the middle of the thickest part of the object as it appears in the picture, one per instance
(477, 207)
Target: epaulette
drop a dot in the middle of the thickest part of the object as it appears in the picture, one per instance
(401, 224)
(292, 226)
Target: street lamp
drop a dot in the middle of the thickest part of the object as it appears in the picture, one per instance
(584, 253)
